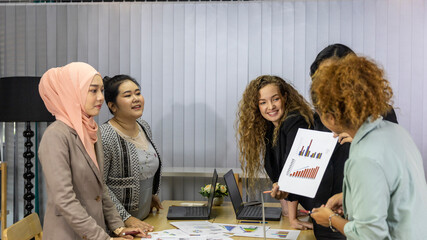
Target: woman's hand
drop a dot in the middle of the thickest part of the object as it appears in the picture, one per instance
(301, 225)
(335, 203)
(276, 193)
(134, 222)
(130, 232)
(321, 215)
(155, 203)
(343, 138)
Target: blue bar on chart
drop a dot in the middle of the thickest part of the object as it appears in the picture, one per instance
(306, 152)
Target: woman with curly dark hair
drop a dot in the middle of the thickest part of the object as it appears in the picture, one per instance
(270, 113)
(384, 187)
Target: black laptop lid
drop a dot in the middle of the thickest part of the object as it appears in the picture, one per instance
(212, 193)
(233, 190)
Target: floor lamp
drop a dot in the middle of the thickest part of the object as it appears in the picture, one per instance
(20, 102)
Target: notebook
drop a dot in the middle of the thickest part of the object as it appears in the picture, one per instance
(194, 212)
(247, 212)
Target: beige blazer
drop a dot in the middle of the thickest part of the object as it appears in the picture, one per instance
(78, 205)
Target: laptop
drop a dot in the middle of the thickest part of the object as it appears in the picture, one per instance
(248, 212)
(194, 212)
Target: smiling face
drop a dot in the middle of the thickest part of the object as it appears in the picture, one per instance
(271, 103)
(129, 102)
(95, 97)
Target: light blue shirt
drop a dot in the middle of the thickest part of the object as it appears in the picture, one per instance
(385, 190)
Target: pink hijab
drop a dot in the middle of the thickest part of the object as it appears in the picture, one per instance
(64, 91)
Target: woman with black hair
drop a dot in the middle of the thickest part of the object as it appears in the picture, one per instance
(132, 161)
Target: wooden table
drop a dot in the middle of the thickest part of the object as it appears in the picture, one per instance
(221, 214)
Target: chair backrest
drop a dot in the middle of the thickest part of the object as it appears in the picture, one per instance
(3, 214)
(24, 229)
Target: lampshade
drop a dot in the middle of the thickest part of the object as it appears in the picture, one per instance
(20, 101)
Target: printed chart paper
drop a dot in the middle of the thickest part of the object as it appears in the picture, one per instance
(242, 230)
(188, 238)
(168, 233)
(307, 162)
(199, 228)
(283, 234)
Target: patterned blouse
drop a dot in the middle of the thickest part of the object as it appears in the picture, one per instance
(122, 168)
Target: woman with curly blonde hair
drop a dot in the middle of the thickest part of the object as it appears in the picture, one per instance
(384, 187)
(270, 113)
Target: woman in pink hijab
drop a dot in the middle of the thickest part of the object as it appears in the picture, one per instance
(78, 206)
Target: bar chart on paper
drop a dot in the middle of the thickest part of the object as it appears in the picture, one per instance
(306, 152)
(309, 173)
(307, 162)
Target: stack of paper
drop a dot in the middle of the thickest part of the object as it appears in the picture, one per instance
(204, 230)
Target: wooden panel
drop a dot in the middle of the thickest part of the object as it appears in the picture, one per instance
(25, 229)
(4, 211)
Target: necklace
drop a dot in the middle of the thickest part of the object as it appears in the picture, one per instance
(123, 129)
(140, 140)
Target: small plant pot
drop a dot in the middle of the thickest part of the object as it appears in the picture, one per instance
(217, 201)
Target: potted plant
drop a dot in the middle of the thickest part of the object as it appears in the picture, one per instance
(220, 192)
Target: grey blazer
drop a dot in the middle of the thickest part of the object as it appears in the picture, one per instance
(78, 206)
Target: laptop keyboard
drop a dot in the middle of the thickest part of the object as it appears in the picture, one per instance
(196, 211)
(251, 211)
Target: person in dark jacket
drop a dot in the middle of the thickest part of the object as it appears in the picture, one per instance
(270, 113)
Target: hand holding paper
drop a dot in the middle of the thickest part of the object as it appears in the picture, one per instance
(276, 193)
(306, 162)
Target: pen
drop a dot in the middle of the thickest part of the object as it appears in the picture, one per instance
(305, 211)
(267, 191)
(252, 222)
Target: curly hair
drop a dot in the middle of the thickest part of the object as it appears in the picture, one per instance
(252, 126)
(351, 89)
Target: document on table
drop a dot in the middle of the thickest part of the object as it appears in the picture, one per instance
(188, 238)
(198, 228)
(283, 234)
(242, 230)
(257, 231)
(307, 162)
(177, 234)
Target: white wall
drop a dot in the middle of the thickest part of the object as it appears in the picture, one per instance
(194, 60)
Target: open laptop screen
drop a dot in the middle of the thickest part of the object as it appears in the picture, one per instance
(212, 193)
(233, 190)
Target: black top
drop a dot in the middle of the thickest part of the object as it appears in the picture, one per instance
(275, 156)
